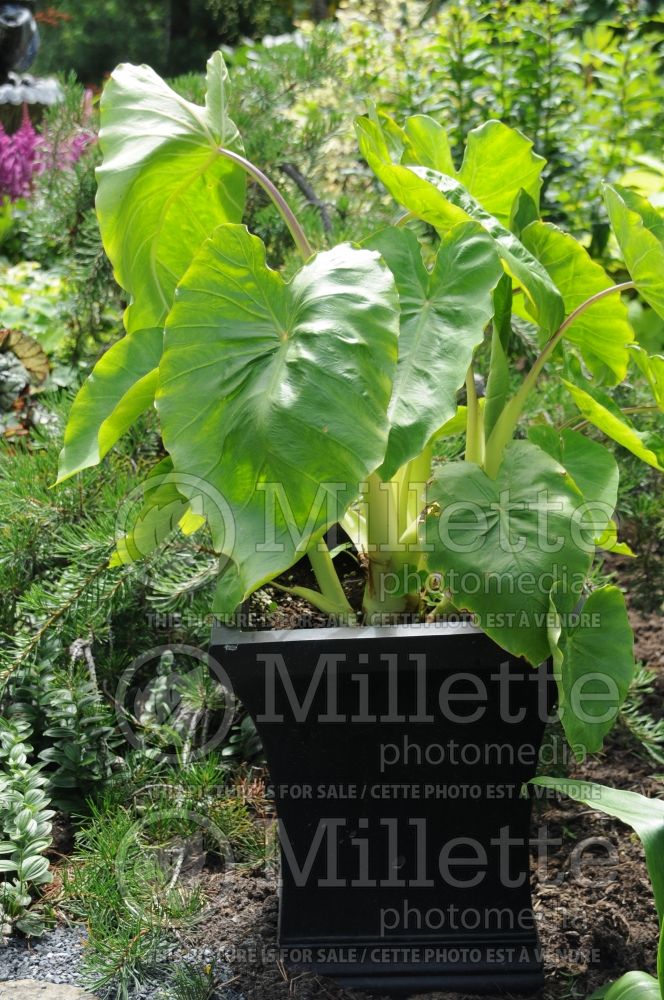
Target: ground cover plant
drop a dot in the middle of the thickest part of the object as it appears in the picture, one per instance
(72, 623)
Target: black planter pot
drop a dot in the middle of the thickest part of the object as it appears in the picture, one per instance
(397, 757)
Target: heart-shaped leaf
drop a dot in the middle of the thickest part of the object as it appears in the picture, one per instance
(593, 658)
(502, 544)
(593, 468)
(498, 163)
(443, 202)
(163, 189)
(602, 332)
(443, 316)
(275, 394)
(426, 142)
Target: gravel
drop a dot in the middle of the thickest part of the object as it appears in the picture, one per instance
(57, 958)
(54, 958)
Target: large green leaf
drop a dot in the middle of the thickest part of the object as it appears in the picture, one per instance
(443, 202)
(646, 817)
(120, 387)
(426, 142)
(593, 468)
(641, 240)
(601, 411)
(275, 395)
(163, 189)
(498, 163)
(443, 316)
(593, 658)
(602, 332)
(652, 218)
(502, 543)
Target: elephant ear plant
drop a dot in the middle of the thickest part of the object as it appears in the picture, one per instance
(289, 406)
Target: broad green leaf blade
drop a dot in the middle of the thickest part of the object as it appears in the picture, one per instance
(648, 327)
(642, 244)
(163, 187)
(275, 395)
(600, 411)
(443, 316)
(602, 332)
(121, 387)
(499, 162)
(498, 382)
(545, 300)
(635, 202)
(524, 211)
(646, 817)
(631, 986)
(443, 202)
(652, 366)
(455, 425)
(33, 868)
(593, 657)
(230, 590)
(502, 544)
(426, 143)
(152, 515)
(593, 469)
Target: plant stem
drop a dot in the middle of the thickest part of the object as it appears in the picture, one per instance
(404, 219)
(284, 209)
(474, 431)
(411, 489)
(326, 576)
(562, 329)
(383, 547)
(507, 421)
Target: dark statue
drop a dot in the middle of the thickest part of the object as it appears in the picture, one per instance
(19, 37)
(19, 44)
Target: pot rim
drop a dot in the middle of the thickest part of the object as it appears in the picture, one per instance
(223, 635)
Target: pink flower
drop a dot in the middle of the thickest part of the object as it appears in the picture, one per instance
(25, 153)
(18, 159)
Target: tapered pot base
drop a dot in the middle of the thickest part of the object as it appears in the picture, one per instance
(397, 759)
(409, 968)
